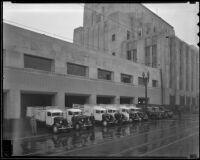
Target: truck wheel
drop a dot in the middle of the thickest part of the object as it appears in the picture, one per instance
(77, 126)
(105, 123)
(55, 129)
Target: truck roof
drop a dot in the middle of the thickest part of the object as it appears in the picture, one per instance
(111, 107)
(99, 108)
(54, 110)
(74, 110)
(124, 107)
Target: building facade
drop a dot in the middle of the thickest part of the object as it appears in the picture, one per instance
(104, 64)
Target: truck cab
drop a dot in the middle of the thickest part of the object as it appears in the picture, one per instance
(99, 113)
(115, 112)
(138, 113)
(126, 112)
(76, 118)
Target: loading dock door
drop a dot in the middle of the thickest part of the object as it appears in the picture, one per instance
(105, 100)
(126, 100)
(28, 99)
(76, 99)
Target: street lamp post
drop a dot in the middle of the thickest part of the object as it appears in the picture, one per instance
(145, 80)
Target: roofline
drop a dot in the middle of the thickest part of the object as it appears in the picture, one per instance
(157, 15)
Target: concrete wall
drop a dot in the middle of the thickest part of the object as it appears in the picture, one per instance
(18, 41)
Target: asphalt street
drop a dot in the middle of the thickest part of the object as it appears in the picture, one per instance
(168, 137)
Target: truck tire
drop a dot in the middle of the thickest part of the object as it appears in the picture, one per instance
(104, 123)
(55, 129)
(77, 126)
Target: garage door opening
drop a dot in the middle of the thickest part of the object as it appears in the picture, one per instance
(126, 100)
(105, 100)
(29, 99)
(76, 99)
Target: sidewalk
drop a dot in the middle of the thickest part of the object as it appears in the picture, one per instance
(14, 129)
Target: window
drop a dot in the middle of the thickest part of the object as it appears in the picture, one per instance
(154, 56)
(140, 32)
(113, 37)
(142, 100)
(154, 83)
(128, 35)
(113, 53)
(37, 63)
(126, 78)
(182, 100)
(103, 74)
(128, 55)
(154, 29)
(48, 113)
(147, 56)
(97, 111)
(109, 111)
(172, 100)
(70, 113)
(140, 81)
(134, 51)
(78, 70)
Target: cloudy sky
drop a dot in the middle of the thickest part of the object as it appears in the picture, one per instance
(61, 19)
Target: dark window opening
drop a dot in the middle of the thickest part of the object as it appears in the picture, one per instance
(128, 35)
(147, 56)
(128, 55)
(78, 70)
(113, 37)
(39, 63)
(126, 78)
(140, 81)
(154, 83)
(154, 56)
(103, 74)
(134, 51)
(113, 53)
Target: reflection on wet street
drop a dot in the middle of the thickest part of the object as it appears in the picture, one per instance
(135, 139)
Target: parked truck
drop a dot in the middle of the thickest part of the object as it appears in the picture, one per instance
(51, 116)
(139, 114)
(119, 118)
(77, 119)
(99, 114)
(126, 112)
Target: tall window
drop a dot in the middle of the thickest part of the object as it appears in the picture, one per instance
(38, 63)
(134, 51)
(172, 99)
(128, 55)
(154, 83)
(154, 56)
(182, 100)
(104, 74)
(78, 70)
(128, 35)
(113, 37)
(147, 56)
(126, 78)
(140, 81)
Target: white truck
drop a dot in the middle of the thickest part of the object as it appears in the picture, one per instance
(126, 112)
(99, 114)
(119, 118)
(51, 116)
(76, 118)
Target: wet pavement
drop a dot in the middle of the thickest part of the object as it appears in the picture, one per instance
(168, 137)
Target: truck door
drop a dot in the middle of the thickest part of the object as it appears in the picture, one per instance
(49, 120)
(69, 116)
(98, 115)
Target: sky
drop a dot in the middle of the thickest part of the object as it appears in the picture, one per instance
(59, 20)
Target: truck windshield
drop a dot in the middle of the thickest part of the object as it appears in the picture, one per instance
(76, 113)
(57, 114)
(102, 111)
